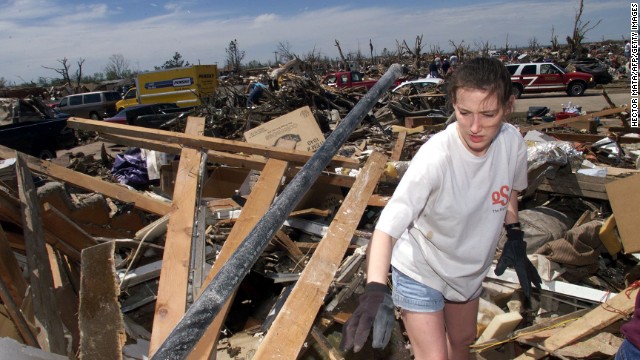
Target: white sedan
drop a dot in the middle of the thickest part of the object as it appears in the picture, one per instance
(418, 86)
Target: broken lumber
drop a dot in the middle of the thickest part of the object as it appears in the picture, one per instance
(102, 334)
(292, 325)
(204, 142)
(605, 314)
(10, 272)
(190, 328)
(575, 119)
(51, 335)
(171, 302)
(258, 202)
(89, 183)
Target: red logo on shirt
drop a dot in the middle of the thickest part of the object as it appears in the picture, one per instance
(501, 197)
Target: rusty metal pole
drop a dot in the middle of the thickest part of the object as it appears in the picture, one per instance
(189, 330)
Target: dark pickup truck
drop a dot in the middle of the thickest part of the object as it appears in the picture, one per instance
(31, 127)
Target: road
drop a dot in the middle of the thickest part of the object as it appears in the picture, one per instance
(592, 100)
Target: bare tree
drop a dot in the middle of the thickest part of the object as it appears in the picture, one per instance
(79, 72)
(580, 30)
(63, 70)
(284, 51)
(234, 55)
(460, 49)
(554, 40)
(483, 48)
(117, 67)
(416, 52)
(3, 82)
(371, 51)
(344, 60)
(534, 45)
(506, 43)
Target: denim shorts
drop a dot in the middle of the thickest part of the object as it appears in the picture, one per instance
(627, 351)
(411, 295)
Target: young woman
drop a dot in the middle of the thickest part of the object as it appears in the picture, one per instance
(440, 229)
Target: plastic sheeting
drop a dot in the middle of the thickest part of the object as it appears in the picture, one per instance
(130, 168)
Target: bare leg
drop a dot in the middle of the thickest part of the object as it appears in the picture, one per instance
(426, 334)
(461, 322)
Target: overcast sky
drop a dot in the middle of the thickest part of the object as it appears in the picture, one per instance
(36, 33)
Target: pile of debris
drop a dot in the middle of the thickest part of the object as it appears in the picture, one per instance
(249, 239)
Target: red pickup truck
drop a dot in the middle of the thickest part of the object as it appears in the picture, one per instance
(347, 79)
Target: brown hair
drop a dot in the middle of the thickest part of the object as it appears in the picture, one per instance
(487, 74)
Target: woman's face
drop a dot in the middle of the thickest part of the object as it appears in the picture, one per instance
(479, 118)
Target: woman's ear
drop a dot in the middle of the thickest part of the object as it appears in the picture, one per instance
(511, 103)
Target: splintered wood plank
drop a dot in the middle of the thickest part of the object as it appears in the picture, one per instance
(51, 335)
(206, 142)
(66, 229)
(90, 183)
(605, 314)
(257, 204)
(171, 302)
(397, 149)
(292, 325)
(10, 271)
(102, 334)
(590, 116)
(236, 160)
(10, 211)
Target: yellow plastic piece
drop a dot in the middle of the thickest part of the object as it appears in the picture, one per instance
(609, 236)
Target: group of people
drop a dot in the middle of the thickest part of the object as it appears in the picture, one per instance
(441, 68)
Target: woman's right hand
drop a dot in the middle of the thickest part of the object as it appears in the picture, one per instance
(375, 310)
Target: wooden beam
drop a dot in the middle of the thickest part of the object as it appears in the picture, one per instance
(397, 149)
(102, 334)
(576, 185)
(171, 302)
(51, 335)
(10, 271)
(90, 183)
(66, 229)
(615, 309)
(257, 204)
(574, 119)
(236, 160)
(590, 138)
(289, 330)
(16, 315)
(10, 211)
(204, 142)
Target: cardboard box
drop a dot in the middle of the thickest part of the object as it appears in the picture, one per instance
(624, 196)
(298, 126)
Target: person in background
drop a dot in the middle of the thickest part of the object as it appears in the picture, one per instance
(630, 348)
(627, 50)
(433, 69)
(445, 67)
(255, 91)
(440, 229)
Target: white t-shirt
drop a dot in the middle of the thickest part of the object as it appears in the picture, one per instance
(448, 210)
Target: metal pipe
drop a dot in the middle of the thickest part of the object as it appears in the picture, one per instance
(189, 330)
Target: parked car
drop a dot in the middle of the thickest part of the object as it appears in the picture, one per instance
(595, 67)
(95, 105)
(348, 79)
(151, 115)
(547, 77)
(417, 86)
(31, 127)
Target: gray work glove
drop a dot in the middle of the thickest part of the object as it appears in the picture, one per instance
(375, 308)
(514, 255)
